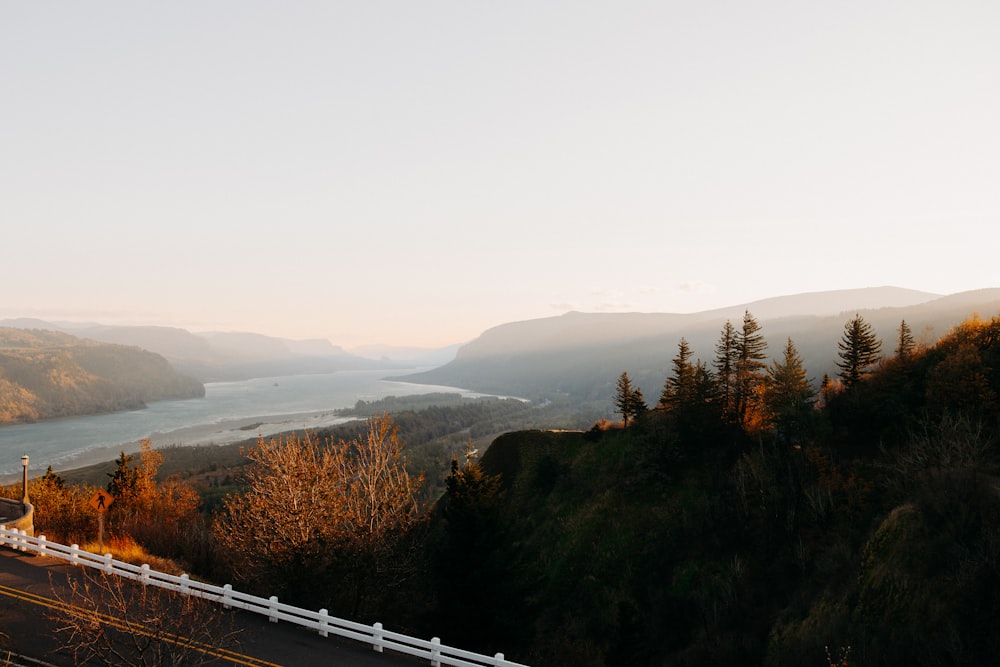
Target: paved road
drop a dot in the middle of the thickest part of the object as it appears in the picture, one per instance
(26, 598)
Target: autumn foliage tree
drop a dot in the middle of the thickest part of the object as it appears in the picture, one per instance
(158, 515)
(320, 522)
(61, 511)
(749, 371)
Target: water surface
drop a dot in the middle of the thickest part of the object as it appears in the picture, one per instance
(229, 412)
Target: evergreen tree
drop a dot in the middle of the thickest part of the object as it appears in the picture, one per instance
(905, 343)
(788, 395)
(701, 412)
(628, 400)
(860, 349)
(638, 403)
(123, 480)
(470, 559)
(680, 386)
(726, 357)
(52, 479)
(750, 369)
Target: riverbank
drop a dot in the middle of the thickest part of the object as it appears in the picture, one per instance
(224, 432)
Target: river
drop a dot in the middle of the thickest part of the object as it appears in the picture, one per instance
(229, 412)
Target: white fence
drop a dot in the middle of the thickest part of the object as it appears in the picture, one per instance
(374, 635)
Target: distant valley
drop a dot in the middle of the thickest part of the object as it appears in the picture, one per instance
(574, 357)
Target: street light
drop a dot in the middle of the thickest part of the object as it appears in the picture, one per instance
(24, 482)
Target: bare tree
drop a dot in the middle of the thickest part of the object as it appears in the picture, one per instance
(105, 619)
(323, 518)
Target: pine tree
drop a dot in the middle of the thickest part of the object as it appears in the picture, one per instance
(123, 479)
(638, 403)
(467, 563)
(905, 343)
(860, 349)
(750, 368)
(680, 386)
(726, 356)
(628, 400)
(788, 395)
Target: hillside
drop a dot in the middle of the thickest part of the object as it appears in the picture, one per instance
(663, 545)
(580, 354)
(47, 374)
(222, 356)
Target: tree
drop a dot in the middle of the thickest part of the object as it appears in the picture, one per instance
(285, 519)
(105, 619)
(380, 512)
(905, 344)
(628, 400)
(788, 395)
(61, 511)
(123, 479)
(470, 557)
(726, 357)
(679, 388)
(750, 369)
(158, 516)
(859, 351)
(321, 520)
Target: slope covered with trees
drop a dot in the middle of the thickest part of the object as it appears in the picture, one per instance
(862, 523)
(45, 374)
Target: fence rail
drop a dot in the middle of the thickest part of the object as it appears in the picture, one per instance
(320, 621)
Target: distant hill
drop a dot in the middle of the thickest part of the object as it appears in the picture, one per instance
(580, 355)
(49, 374)
(413, 357)
(223, 356)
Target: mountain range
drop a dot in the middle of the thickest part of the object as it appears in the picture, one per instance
(575, 355)
(227, 356)
(581, 355)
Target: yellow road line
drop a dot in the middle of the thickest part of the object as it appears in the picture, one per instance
(58, 605)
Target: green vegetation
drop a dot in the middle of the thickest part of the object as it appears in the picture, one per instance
(748, 518)
(44, 374)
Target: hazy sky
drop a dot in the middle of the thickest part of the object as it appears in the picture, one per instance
(418, 171)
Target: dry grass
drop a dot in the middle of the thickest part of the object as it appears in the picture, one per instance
(127, 550)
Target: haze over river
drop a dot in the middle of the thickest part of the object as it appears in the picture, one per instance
(229, 412)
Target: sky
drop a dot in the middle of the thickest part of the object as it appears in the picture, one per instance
(415, 172)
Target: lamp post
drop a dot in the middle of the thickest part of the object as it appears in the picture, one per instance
(24, 480)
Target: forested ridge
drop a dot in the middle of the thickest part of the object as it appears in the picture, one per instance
(742, 513)
(45, 374)
(755, 520)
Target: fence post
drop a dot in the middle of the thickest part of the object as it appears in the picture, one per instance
(3, 533)
(377, 637)
(41, 545)
(435, 652)
(499, 660)
(227, 596)
(145, 574)
(75, 556)
(185, 583)
(273, 607)
(24, 540)
(324, 623)
(108, 564)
